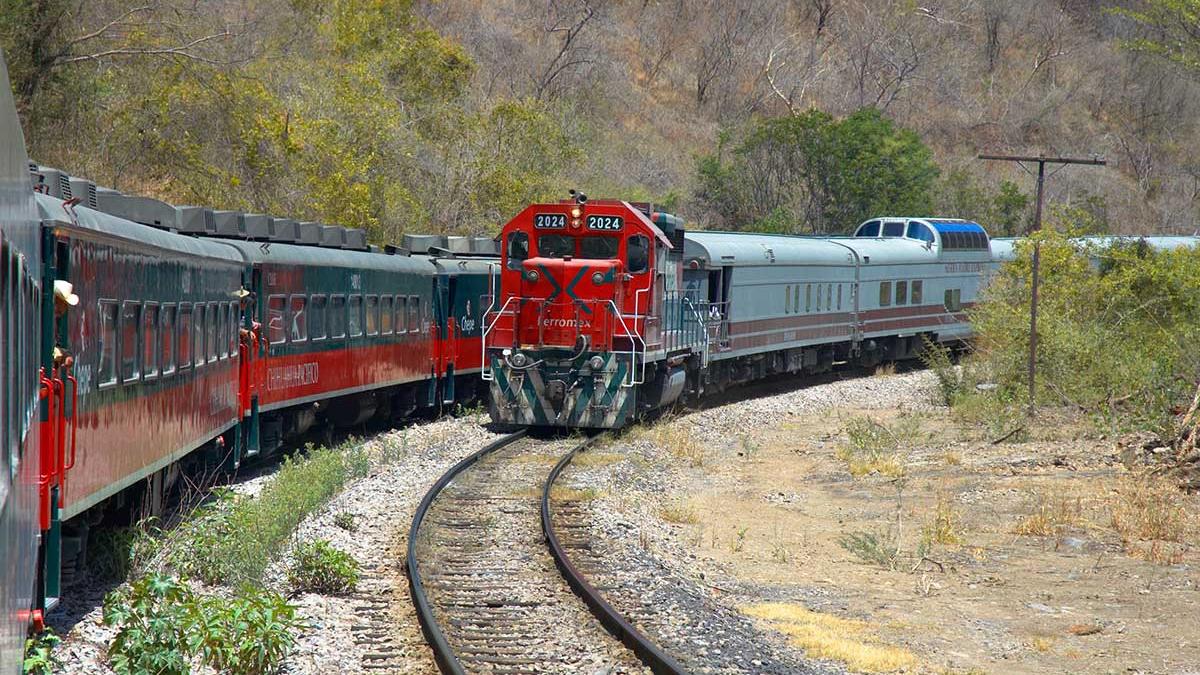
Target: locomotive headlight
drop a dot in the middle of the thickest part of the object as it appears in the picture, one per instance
(519, 360)
(576, 211)
(597, 363)
(597, 278)
(532, 276)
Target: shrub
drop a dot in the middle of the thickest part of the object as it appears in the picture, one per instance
(162, 625)
(874, 447)
(346, 521)
(318, 567)
(39, 654)
(234, 538)
(873, 548)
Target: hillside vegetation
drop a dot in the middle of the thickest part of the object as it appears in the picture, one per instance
(788, 115)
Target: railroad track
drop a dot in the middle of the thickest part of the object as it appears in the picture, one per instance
(488, 591)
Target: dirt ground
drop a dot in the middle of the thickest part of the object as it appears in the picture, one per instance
(1043, 556)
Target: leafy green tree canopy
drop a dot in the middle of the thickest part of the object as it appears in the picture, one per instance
(814, 173)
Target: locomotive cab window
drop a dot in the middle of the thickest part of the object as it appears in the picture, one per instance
(185, 337)
(130, 325)
(637, 254)
(298, 318)
(885, 293)
(599, 248)
(337, 316)
(167, 355)
(386, 315)
(354, 318)
(150, 348)
(108, 343)
(555, 245)
(276, 307)
(518, 249)
(317, 318)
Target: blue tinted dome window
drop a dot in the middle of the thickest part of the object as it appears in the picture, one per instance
(920, 232)
(893, 229)
(961, 234)
(871, 229)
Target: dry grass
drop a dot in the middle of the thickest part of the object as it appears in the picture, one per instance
(680, 512)
(952, 458)
(945, 527)
(888, 368)
(1042, 643)
(825, 636)
(561, 493)
(1152, 518)
(1051, 516)
(873, 447)
(596, 459)
(676, 439)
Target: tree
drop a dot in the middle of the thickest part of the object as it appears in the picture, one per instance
(813, 173)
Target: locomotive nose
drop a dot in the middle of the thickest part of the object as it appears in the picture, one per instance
(571, 299)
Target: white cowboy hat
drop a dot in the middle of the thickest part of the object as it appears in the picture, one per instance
(64, 291)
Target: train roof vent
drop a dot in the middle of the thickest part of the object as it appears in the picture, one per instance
(55, 183)
(333, 236)
(284, 230)
(227, 223)
(310, 233)
(85, 190)
(144, 210)
(256, 226)
(458, 244)
(356, 239)
(485, 245)
(421, 243)
(194, 220)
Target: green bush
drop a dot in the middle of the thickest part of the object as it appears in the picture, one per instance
(345, 520)
(39, 654)
(233, 539)
(162, 626)
(1117, 332)
(318, 567)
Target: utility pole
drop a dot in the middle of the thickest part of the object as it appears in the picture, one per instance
(1042, 161)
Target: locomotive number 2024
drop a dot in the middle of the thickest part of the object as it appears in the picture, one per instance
(550, 221)
(606, 223)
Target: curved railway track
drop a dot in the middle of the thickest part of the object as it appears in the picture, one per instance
(488, 591)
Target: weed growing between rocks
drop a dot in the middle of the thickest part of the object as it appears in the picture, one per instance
(39, 654)
(875, 448)
(873, 548)
(163, 627)
(680, 512)
(319, 567)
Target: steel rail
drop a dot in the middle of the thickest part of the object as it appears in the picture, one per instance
(442, 651)
(650, 654)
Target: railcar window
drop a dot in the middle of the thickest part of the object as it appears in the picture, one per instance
(166, 355)
(828, 297)
(919, 231)
(518, 249)
(796, 297)
(130, 325)
(298, 318)
(839, 297)
(953, 299)
(893, 229)
(185, 337)
(555, 245)
(276, 304)
(819, 289)
(871, 229)
(213, 324)
(787, 299)
(885, 294)
(355, 321)
(372, 315)
(414, 314)
(901, 292)
(198, 341)
(220, 338)
(599, 248)
(637, 254)
(386, 315)
(232, 339)
(917, 291)
(337, 316)
(401, 313)
(807, 297)
(316, 318)
(150, 348)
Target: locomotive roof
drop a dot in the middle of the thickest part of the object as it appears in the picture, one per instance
(291, 254)
(54, 209)
(738, 249)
